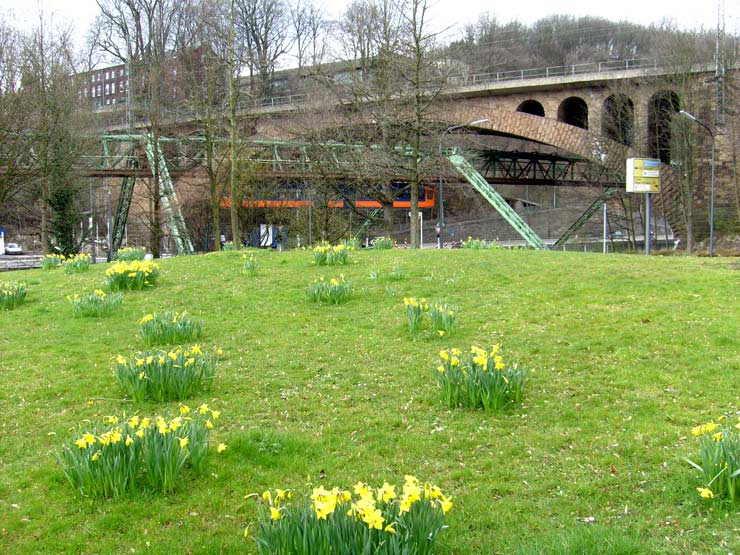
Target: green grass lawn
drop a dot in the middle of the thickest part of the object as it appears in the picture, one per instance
(626, 354)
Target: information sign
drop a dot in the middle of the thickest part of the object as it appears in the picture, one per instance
(643, 175)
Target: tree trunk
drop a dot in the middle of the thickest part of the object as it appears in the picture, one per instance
(233, 189)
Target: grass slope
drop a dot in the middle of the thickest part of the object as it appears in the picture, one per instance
(626, 354)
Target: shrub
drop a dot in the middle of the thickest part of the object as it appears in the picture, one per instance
(116, 459)
(370, 520)
(249, 267)
(95, 304)
(51, 261)
(228, 246)
(415, 310)
(169, 328)
(128, 254)
(12, 294)
(132, 275)
(471, 243)
(77, 263)
(335, 290)
(480, 379)
(719, 459)
(328, 255)
(383, 243)
(166, 375)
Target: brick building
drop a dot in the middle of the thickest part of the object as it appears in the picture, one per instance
(105, 87)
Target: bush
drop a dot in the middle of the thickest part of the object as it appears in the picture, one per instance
(134, 275)
(77, 263)
(12, 294)
(128, 254)
(114, 460)
(719, 456)
(335, 291)
(95, 304)
(378, 521)
(479, 380)
(166, 375)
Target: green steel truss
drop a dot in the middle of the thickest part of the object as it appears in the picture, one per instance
(586, 216)
(480, 184)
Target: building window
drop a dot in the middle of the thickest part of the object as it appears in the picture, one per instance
(92, 78)
(100, 91)
(113, 87)
(120, 72)
(84, 92)
(107, 89)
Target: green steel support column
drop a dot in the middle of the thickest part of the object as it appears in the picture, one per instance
(480, 184)
(586, 216)
(175, 221)
(368, 221)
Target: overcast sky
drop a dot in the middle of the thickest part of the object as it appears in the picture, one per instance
(454, 14)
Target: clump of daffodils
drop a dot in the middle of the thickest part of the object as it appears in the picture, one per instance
(249, 265)
(162, 376)
(170, 328)
(331, 255)
(77, 263)
(131, 253)
(471, 243)
(95, 304)
(719, 456)
(133, 275)
(442, 316)
(383, 520)
(51, 261)
(334, 290)
(121, 457)
(415, 310)
(383, 243)
(12, 294)
(479, 379)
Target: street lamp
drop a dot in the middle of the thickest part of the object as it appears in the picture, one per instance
(711, 193)
(441, 224)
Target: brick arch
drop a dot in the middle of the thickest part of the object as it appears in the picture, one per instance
(575, 140)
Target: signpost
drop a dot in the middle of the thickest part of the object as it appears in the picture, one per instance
(643, 176)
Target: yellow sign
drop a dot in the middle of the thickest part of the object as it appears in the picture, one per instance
(643, 175)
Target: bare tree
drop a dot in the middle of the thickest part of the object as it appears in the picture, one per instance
(264, 26)
(421, 73)
(310, 29)
(52, 129)
(203, 54)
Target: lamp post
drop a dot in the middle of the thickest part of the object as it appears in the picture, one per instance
(441, 224)
(711, 193)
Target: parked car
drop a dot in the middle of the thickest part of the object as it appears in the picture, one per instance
(13, 248)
